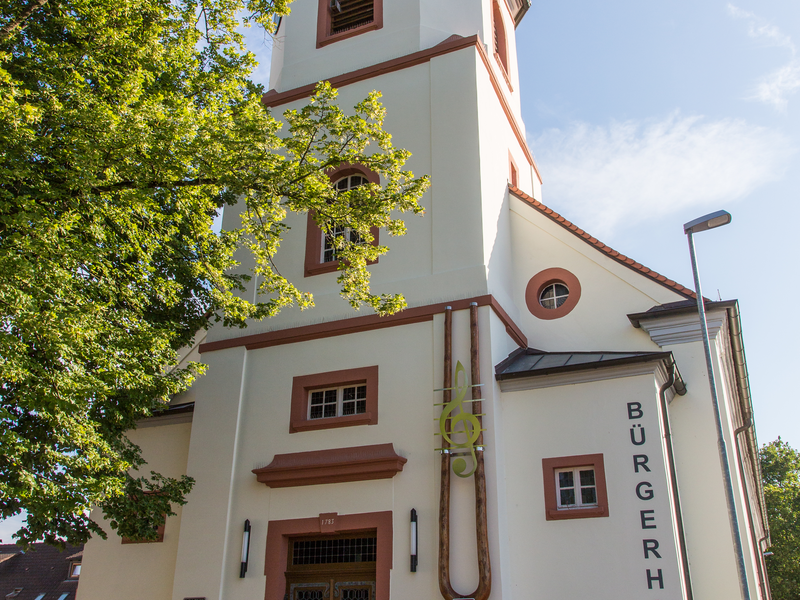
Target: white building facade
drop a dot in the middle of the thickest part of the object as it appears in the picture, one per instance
(599, 469)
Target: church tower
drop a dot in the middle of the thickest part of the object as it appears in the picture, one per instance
(448, 74)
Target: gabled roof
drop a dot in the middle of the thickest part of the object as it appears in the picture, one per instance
(607, 250)
(42, 569)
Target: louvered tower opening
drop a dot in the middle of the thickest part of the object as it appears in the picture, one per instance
(349, 14)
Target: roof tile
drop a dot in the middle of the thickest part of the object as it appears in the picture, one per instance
(617, 256)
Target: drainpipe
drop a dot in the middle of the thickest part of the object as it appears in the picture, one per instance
(761, 549)
(745, 403)
(680, 389)
(748, 423)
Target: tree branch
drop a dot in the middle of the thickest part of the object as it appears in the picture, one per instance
(132, 185)
(10, 28)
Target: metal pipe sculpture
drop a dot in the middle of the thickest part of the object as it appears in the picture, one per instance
(473, 431)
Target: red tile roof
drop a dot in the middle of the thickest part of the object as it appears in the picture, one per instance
(592, 241)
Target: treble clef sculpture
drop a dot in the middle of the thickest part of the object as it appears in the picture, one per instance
(474, 433)
(471, 426)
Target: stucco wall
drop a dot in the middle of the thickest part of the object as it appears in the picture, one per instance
(134, 571)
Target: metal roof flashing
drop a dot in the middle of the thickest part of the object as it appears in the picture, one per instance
(523, 364)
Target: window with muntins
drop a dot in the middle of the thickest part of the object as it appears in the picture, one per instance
(331, 238)
(321, 247)
(334, 399)
(337, 402)
(576, 487)
(554, 295)
(341, 567)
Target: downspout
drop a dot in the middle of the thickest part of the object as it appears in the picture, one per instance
(748, 423)
(761, 549)
(680, 389)
(745, 403)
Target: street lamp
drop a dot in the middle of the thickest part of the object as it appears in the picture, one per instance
(711, 221)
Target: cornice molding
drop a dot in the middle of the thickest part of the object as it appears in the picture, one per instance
(337, 465)
(683, 329)
(417, 314)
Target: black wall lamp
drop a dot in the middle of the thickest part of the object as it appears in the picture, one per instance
(245, 548)
(414, 540)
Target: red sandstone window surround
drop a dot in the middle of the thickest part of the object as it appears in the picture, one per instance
(361, 409)
(500, 42)
(574, 487)
(280, 535)
(159, 534)
(315, 262)
(513, 171)
(341, 19)
(552, 293)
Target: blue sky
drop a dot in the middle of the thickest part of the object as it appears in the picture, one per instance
(645, 115)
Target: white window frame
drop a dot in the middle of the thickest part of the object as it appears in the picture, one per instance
(340, 401)
(577, 487)
(346, 232)
(556, 296)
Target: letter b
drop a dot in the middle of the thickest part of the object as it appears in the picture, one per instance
(635, 410)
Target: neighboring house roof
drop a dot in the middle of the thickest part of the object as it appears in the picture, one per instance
(592, 241)
(40, 573)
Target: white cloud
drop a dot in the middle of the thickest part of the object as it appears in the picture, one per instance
(642, 170)
(776, 86)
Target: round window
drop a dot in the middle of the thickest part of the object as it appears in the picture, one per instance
(553, 295)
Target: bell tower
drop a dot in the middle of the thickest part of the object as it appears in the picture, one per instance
(324, 38)
(447, 71)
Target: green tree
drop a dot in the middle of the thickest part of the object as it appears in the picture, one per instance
(125, 125)
(780, 469)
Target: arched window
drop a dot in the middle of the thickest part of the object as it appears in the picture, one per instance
(329, 238)
(499, 35)
(321, 246)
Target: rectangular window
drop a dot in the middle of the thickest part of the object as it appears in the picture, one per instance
(513, 171)
(159, 535)
(574, 487)
(334, 399)
(341, 19)
(351, 14)
(332, 566)
(337, 402)
(74, 570)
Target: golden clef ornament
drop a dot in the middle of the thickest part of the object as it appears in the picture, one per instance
(470, 425)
